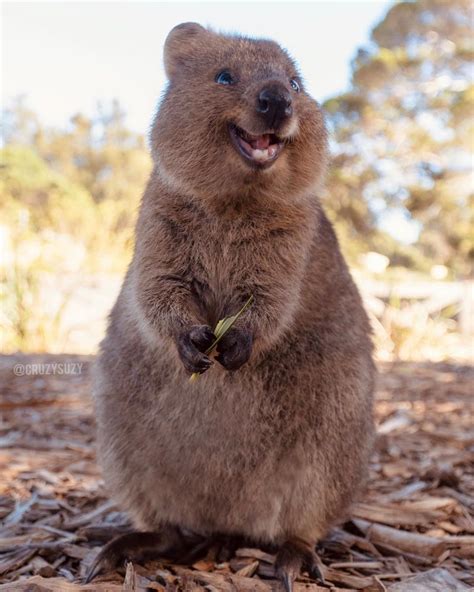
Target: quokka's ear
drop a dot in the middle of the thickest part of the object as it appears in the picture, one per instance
(181, 43)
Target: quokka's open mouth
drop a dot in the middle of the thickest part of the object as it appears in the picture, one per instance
(260, 151)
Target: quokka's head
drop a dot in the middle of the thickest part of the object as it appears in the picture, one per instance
(235, 118)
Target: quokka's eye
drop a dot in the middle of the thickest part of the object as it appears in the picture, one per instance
(295, 85)
(224, 77)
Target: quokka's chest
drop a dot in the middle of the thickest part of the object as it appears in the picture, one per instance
(224, 265)
(221, 253)
(221, 280)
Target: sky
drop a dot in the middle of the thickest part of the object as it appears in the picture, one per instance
(66, 56)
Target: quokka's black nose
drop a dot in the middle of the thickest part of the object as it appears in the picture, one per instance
(274, 105)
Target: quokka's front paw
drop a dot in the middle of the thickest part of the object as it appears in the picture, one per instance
(191, 344)
(234, 348)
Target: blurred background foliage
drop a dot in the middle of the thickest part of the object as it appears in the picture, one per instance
(69, 199)
(402, 146)
(403, 137)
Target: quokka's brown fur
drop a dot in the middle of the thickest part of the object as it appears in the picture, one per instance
(279, 448)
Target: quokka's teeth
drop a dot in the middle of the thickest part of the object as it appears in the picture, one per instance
(260, 155)
(266, 154)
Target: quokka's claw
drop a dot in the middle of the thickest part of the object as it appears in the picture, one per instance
(315, 572)
(136, 547)
(287, 580)
(294, 556)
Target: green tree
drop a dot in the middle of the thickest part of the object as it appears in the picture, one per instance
(98, 154)
(402, 136)
(29, 188)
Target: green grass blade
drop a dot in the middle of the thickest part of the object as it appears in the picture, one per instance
(222, 327)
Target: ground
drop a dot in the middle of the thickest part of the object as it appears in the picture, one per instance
(416, 518)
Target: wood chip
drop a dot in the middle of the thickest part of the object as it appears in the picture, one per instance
(40, 584)
(434, 580)
(412, 542)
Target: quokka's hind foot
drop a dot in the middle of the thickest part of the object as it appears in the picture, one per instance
(139, 547)
(295, 556)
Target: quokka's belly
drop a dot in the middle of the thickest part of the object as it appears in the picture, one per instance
(213, 495)
(200, 457)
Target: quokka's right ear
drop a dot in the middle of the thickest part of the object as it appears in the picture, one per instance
(181, 43)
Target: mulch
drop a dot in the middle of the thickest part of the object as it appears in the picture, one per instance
(412, 532)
